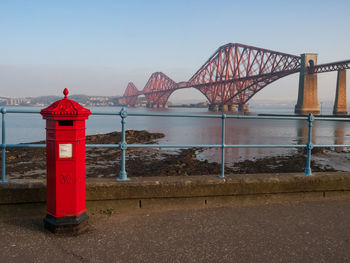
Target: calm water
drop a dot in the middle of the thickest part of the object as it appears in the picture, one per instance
(31, 127)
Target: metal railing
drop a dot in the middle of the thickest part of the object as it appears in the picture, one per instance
(124, 146)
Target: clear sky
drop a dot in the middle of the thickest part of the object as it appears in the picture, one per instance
(97, 47)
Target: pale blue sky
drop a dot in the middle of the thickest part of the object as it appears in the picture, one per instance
(97, 47)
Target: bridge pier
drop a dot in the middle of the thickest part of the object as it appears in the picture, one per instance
(232, 107)
(340, 106)
(307, 94)
(223, 107)
(155, 105)
(213, 107)
(243, 108)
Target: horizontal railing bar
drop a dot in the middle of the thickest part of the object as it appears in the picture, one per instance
(215, 146)
(24, 145)
(332, 119)
(21, 111)
(267, 117)
(331, 145)
(178, 145)
(174, 145)
(44, 145)
(103, 145)
(105, 113)
(265, 146)
(175, 115)
(38, 111)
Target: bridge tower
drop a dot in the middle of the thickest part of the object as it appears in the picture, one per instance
(340, 106)
(307, 95)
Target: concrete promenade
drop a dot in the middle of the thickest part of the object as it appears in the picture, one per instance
(308, 231)
(243, 218)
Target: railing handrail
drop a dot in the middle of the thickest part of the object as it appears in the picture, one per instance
(187, 115)
(123, 144)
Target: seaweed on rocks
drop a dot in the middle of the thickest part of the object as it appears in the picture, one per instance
(105, 162)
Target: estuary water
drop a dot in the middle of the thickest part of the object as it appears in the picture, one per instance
(22, 128)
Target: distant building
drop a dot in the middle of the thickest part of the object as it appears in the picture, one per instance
(13, 101)
(122, 101)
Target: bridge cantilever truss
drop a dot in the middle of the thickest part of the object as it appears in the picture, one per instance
(235, 72)
(131, 93)
(232, 75)
(334, 66)
(158, 88)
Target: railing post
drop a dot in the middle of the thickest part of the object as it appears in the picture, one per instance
(309, 146)
(3, 147)
(123, 146)
(223, 117)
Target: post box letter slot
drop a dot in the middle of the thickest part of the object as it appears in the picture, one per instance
(65, 123)
(65, 150)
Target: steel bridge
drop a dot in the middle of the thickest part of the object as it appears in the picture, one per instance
(230, 77)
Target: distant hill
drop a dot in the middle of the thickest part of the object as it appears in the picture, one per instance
(47, 100)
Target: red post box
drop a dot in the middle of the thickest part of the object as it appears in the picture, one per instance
(65, 164)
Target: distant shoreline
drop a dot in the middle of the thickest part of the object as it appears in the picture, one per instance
(116, 105)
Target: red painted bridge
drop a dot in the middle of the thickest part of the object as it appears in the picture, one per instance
(231, 76)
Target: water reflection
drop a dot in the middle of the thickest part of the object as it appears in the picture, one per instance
(250, 132)
(339, 134)
(324, 132)
(303, 132)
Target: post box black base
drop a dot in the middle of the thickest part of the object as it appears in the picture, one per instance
(66, 225)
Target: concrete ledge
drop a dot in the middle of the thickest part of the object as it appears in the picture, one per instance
(143, 191)
(201, 186)
(23, 191)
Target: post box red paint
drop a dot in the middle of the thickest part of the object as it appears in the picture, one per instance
(65, 162)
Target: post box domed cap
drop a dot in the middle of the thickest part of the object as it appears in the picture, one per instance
(65, 108)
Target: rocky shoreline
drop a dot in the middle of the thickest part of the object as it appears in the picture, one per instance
(105, 162)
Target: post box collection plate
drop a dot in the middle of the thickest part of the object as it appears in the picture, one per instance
(65, 150)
